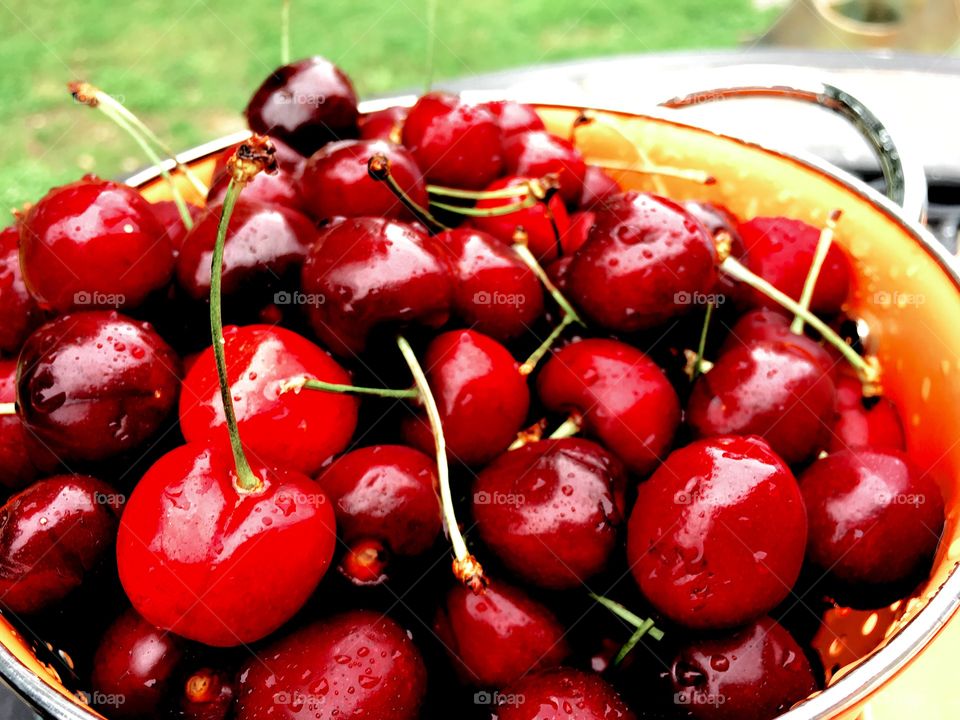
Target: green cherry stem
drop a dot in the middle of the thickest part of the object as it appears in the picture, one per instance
(701, 346)
(646, 627)
(530, 364)
(499, 194)
(496, 211)
(624, 614)
(8, 408)
(570, 427)
(378, 167)
(285, 32)
(531, 262)
(295, 385)
(819, 256)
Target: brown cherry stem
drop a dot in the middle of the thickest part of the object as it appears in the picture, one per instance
(534, 433)
(819, 256)
(378, 167)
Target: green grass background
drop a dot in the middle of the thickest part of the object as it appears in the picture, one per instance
(188, 66)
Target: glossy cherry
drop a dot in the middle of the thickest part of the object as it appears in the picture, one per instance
(717, 535)
(169, 216)
(646, 260)
(297, 430)
(51, 536)
(581, 223)
(22, 456)
(482, 398)
(622, 396)
(514, 117)
(722, 225)
(598, 188)
(93, 243)
(386, 124)
(550, 510)
(496, 637)
(305, 104)
(537, 153)
(357, 664)
(864, 422)
(19, 313)
(772, 327)
(208, 694)
(370, 272)
(279, 188)
(95, 384)
(562, 694)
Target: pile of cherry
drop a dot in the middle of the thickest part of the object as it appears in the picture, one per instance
(730, 492)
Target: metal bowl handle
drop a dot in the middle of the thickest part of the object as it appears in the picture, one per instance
(906, 183)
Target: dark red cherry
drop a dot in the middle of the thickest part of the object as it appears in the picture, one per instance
(496, 637)
(774, 390)
(722, 225)
(772, 327)
(263, 243)
(864, 422)
(537, 153)
(875, 519)
(514, 117)
(581, 223)
(336, 183)
(598, 188)
(94, 384)
(305, 104)
(93, 243)
(482, 398)
(758, 671)
(51, 536)
(646, 260)
(22, 456)
(456, 143)
(550, 510)
(19, 313)
(132, 667)
(279, 188)
(357, 664)
(718, 532)
(208, 694)
(296, 430)
(495, 293)
(369, 272)
(624, 399)
(561, 694)
(780, 250)
(168, 214)
(204, 559)
(386, 124)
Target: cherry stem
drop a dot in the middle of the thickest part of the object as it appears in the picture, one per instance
(285, 32)
(698, 363)
(531, 262)
(530, 364)
(297, 384)
(624, 614)
(534, 433)
(8, 408)
(465, 566)
(431, 43)
(496, 211)
(378, 167)
(646, 627)
(819, 256)
(570, 427)
(498, 194)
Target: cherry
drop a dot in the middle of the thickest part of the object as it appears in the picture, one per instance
(496, 637)
(336, 183)
(482, 398)
(357, 664)
(208, 695)
(717, 534)
(561, 693)
(22, 456)
(622, 396)
(581, 223)
(536, 153)
(167, 212)
(550, 510)
(19, 313)
(305, 104)
(456, 143)
(93, 243)
(263, 242)
(864, 422)
(133, 665)
(374, 271)
(94, 384)
(645, 261)
(385, 124)
(300, 430)
(52, 535)
(598, 188)
(766, 326)
(514, 117)
(722, 225)
(757, 671)
(875, 519)
(280, 188)
(204, 557)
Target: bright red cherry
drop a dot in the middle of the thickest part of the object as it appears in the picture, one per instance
(22, 456)
(646, 260)
(537, 153)
(368, 272)
(623, 397)
(299, 430)
(93, 243)
(168, 214)
(357, 664)
(598, 188)
(203, 558)
(482, 398)
(581, 223)
(722, 226)
(208, 694)
(305, 104)
(95, 384)
(19, 313)
(550, 510)
(385, 124)
(456, 143)
(51, 536)
(336, 183)
(864, 422)
(562, 694)
(514, 117)
(279, 188)
(772, 327)
(498, 636)
(718, 532)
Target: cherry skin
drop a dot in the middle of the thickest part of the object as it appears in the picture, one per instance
(623, 397)
(562, 694)
(357, 664)
(51, 536)
(456, 143)
(514, 117)
(537, 153)
(598, 188)
(645, 261)
(550, 510)
(757, 671)
(581, 223)
(370, 272)
(19, 313)
(864, 423)
(279, 188)
(168, 214)
(305, 104)
(208, 694)
(386, 124)
(722, 226)
(299, 430)
(718, 532)
(204, 559)
(22, 456)
(765, 326)
(482, 398)
(496, 637)
(134, 663)
(336, 183)
(93, 243)
(95, 384)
